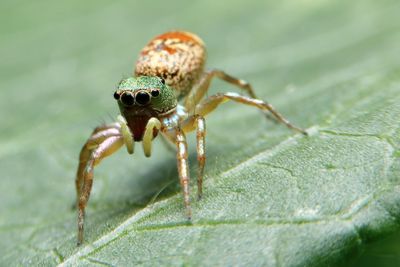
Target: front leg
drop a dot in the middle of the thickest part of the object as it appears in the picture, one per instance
(183, 169)
(106, 148)
(104, 141)
(98, 136)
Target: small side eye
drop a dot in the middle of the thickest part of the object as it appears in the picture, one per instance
(116, 95)
(155, 92)
(162, 81)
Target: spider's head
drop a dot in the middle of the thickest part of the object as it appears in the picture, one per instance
(145, 93)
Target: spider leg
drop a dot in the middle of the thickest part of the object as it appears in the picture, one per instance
(104, 141)
(198, 122)
(98, 136)
(152, 125)
(212, 102)
(183, 169)
(203, 85)
(107, 147)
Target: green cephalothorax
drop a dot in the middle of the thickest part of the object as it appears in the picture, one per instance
(145, 91)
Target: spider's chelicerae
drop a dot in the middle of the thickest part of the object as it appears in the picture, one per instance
(165, 96)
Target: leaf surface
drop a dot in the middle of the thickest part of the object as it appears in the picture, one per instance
(272, 197)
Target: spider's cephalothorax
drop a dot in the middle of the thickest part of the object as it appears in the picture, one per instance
(170, 68)
(143, 98)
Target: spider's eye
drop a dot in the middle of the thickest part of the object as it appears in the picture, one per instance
(127, 99)
(155, 92)
(162, 81)
(116, 95)
(142, 98)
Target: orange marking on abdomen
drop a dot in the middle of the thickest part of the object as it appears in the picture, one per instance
(158, 48)
(182, 36)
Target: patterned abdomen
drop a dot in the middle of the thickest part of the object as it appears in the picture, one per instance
(177, 57)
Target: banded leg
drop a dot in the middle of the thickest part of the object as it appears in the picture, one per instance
(183, 169)
(201, 89)
(90, 157)
(212, 102)
(104, 141)
(198, 122)
(98, 136)
(152, 125)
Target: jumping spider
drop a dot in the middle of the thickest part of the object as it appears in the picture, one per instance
(170, 69)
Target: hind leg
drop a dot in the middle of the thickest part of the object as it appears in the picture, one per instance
(203, 85)
(212, 102)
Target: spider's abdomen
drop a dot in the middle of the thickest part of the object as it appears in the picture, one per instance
(178, 57)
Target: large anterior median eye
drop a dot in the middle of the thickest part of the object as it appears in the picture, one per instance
(127, 99)
(142, 98)
(155, 92)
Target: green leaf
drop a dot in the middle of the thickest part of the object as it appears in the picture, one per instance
(271, 197)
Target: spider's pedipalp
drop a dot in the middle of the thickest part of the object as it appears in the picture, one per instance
(126, 134)
(152, 128)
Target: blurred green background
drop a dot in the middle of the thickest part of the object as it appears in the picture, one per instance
(60, 63)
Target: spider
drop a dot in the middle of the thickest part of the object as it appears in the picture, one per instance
(166, 95)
